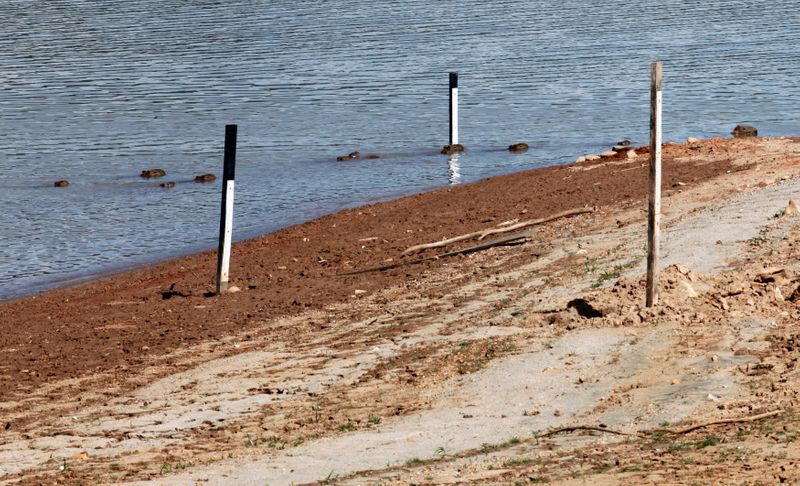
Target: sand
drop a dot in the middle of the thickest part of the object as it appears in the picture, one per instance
(443, 372)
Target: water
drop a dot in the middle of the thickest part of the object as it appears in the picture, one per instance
(94, 91)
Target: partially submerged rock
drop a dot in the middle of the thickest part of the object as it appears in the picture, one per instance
(518, 147)
(167, 185)
(351, 156)
(744, 131)
(452, 149)
(62, 183)
(203, 178)
(153, 173)
(372, 156)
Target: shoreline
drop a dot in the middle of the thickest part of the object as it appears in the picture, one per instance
(272, 382)
(299, 267)
(46, 283)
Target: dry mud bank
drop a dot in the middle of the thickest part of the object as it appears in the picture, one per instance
(450, 371)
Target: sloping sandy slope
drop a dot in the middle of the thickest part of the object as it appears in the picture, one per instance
(451, 373)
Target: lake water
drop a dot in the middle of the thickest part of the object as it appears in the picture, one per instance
(94, 91)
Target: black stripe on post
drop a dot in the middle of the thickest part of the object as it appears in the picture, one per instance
(229, 170)
(453, 80)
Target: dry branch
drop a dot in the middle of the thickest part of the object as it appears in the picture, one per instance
(691, 428)
(581, 427)
(486, 232)
(682, 431)
(517, 238)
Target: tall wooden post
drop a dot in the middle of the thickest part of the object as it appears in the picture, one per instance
(226, 217)
(654, 206)
(453, 108)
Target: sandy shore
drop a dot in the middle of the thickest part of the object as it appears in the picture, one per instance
(114, 323)
(141, 375)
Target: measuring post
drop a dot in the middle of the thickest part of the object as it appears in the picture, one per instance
(654, 206)
(453, 108)
(226, 217)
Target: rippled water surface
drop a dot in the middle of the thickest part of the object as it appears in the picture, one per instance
(95, 91)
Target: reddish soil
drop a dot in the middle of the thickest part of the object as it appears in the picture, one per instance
(112, 323)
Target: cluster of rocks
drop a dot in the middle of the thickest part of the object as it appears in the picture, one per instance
(623, 147)
(455, 148)
(155, 174)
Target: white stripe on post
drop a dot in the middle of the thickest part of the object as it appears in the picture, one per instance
(226, 217)
(453, 108)
(654, 206)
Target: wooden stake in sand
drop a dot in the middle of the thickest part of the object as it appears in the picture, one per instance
(654, 213)
(226, 217)
(453, 108)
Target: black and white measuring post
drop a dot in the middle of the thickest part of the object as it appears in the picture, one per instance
(226, 216)
(453, 108)
(654, 202)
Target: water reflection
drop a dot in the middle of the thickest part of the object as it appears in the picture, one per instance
(453, 169)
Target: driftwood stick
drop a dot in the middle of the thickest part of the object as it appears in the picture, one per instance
(439, 244)
(484, 233)
(514, 239)
(692, 428)
(581, 427)
(533, 222)
(682, 431)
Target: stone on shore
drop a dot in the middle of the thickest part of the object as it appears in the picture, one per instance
(152, 173)
(62, 183)
(792, 209)
(452, 149)
(744, 131)
(692, 140)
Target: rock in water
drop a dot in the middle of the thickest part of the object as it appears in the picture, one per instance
(744, 131)
(63, 183)
(167, 185)
(152, 173)
(205, 178)
(452, 149)
(518, 147)
(351, 156)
